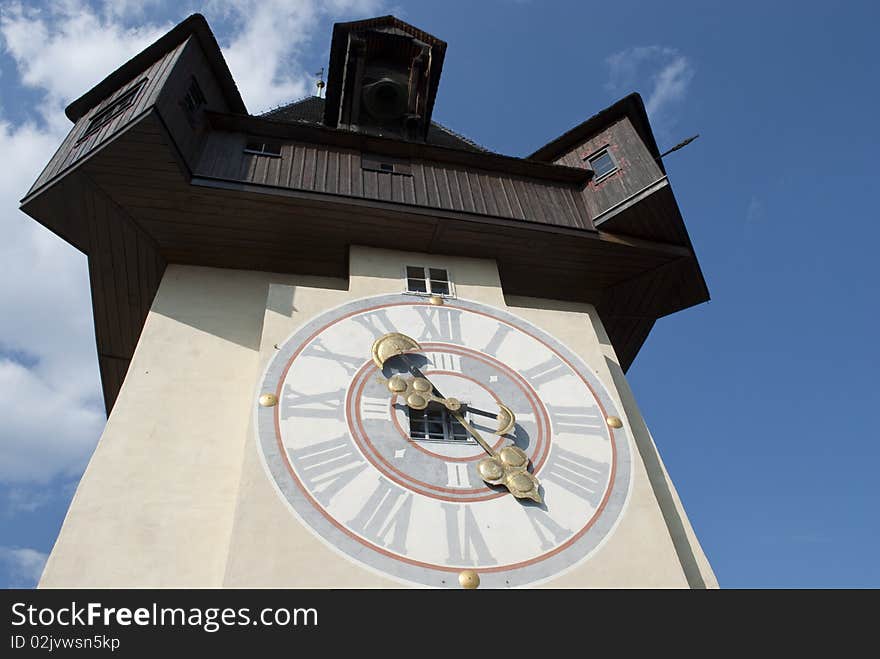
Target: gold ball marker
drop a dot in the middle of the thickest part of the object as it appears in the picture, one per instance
(614, 422)
(468, 579)
(268, 400)
(436, 300)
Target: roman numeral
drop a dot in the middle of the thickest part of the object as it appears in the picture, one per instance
(497, 339)
(464, 540)
(539, 520)
(385, 517)
(574, 419)
(376, 322)
(546, 371)
(440, 324)
(583, 477)
(442, 361)
(375, 408)
(318, 349)
(327, 467)
(327, 405)
(457, 475)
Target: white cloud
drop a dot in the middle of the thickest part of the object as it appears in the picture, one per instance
(267, 51)
(17, 500)
(664, 72)
(130, 8)
(50, 410)
(50, 417)
(66, 49)
(670, 84)
(45, 431)
(23, 565)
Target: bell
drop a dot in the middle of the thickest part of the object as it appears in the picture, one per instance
(385, 99)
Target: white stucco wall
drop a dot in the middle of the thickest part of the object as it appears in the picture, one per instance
(175, 494)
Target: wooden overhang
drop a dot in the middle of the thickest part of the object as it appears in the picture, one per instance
(658, 220)
(133, 205)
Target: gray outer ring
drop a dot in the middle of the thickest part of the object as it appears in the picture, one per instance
(315, 521)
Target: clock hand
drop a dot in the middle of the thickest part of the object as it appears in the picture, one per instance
(506, 418)
(508, 467)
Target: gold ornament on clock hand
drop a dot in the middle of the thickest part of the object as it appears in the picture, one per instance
(418, 392)
(390, 345)
(508, 467)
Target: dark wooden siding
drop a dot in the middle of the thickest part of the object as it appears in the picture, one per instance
(125, 269)
(333, 170)
(70, 152)
(637, 168)
(192, 63)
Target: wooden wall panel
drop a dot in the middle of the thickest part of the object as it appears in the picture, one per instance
(125, 268)
(637, 168)
(321, 168)
(191, 63)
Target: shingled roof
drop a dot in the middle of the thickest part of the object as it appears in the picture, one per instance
(310, 110)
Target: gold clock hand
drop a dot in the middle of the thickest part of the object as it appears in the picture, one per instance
(419, 391)
(508, 467)
(505, 417)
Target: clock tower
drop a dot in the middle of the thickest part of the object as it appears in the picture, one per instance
(343, 346)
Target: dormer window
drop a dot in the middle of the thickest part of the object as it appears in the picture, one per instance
(428, 281)
(602, 163)
(116, 107)
(261, 147)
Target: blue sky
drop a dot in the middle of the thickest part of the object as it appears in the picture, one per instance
(760, 401)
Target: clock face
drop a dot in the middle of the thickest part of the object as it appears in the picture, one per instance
(398, 489)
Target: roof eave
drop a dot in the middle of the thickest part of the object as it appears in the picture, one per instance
(194, 24)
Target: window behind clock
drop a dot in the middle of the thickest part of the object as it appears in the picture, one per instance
(436, 424)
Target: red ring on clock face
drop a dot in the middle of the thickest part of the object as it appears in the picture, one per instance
(537, 450)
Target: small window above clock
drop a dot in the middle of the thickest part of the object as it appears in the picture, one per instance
(112, 110)
(428, 281)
